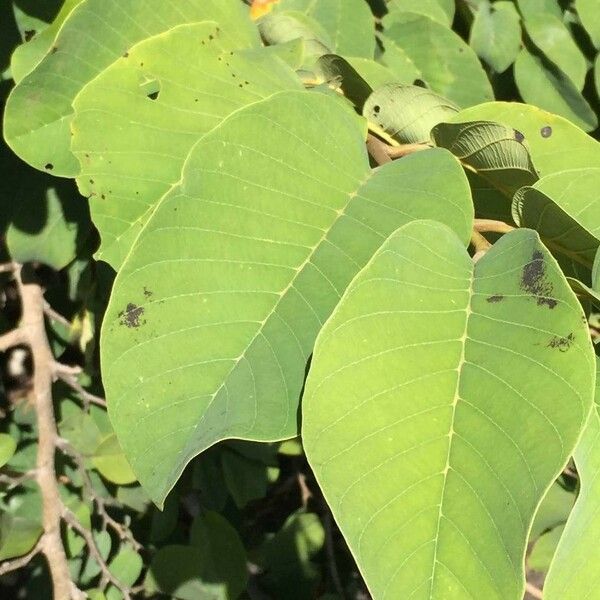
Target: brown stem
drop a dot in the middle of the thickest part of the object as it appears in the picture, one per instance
(479, 243)
(533, 591)
(491, 226)
(8, 267)
(67, 375)
(377, 149)
(406, 149)
(10, 339)
(33, 330)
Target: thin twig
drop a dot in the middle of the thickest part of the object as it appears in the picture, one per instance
(18, 563)
(90, 542)
(377, 149)
(56, 316)
(10, 339)
(70, 379)
(16, 481)
(34, 333)
(406, 149)
(492, 226)
(480, 245)
(8, 267)
(534, 591)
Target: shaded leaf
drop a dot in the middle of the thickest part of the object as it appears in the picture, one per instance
(590, 19)
(337, 70)
(444, 371)
(111, 463)
(8, 445)
(441, 11)
(494, 151)
(406, 112)
(242, 332)
(553, 511)
(544, 549)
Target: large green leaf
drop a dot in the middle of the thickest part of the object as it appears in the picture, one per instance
(443, 399)
(574, 570)
(38, 112)
(555, 144)
(447, 64)
(496, 34)
(215, 311)
(565, 209)
(542, 83)
(135, 124)
(590, 18)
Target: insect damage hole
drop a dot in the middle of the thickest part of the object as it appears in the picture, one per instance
(151, 88)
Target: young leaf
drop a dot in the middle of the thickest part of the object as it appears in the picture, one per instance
(132, 144)
(215, 311)
(428, 387)
(574, 570)
(95, 34)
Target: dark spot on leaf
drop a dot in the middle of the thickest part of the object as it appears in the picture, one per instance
(561, 343)
(240, 85)
(147, 292)
(126, 55)
(28, 34)
(54, 50)
(49, 167)
(103, 197)
(92, 181)
(211, 37)
(153, 95)
(461, 50)
(535, 282)
(376, 109)
(195, 99)
(519, 136)
(546, 131)
(494, 299)
(130, 317)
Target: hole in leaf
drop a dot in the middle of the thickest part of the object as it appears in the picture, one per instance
(376, 109)
(151, 88)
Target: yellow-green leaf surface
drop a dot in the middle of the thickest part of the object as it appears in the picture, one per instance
(28, 55)
(590, 18)
(7, 448)
(111, 463)
(396, 59)
(447, 64)
(95, 34)
(441, 11)
(443, 399)
(494, 151)
(565, 209)
(496, 34)
(135, 124)
(542, 83)
(215, 311)
(406, 112)
(555, 143)
(574, 572)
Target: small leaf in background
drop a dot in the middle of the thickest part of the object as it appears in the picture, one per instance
(564, 209)
(164, 521)
(17, 536)
(213, 566)
(8, 446)
(126, 566)
(441, 11)
(110, 461)
(91, 568)
(76, 543)
(246, 479)
(403, 380)
(590, 18)
(544, 549)
(79, 428)
(553, 511)
(338, 71)
(447, 64)
(494, 151)
(208, 479)
(530, 9)
(551, 37)
(496, 34)
(542, 83)
(397, 61)
(406, 112)
(286, 557)
(547, 135)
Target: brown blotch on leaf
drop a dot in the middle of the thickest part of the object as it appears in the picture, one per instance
(535, 282)
(54, 50)
(494, 299)
(148, 293)
(546, 131)
(561, 343)
(126, 55)
(131, 316)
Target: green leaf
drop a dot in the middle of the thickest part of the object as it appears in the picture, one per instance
(441, 11)
(494, 151)
(337, 70)
(563, 208)
(530, 9)
(51, 231)
(447, 64)
(397, 61)
(178, 350)
(132, 147)
(8, 446)
(246, 479)
(427, 386)
(37, 126)
(573, 572)
(126, 566)
(496, 34)
(28, 55)
(406, 112)
(199, 570)
(79, 428)
(17, 536)
(544, 549)
(553, 511)
(348, 23)
(541, 83)
(590, 19)
(551, 36)
(554, 143)
(111, 463)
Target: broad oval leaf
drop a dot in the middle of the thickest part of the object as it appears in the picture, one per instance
(441, 11)
(221, 298)
(542, 83)
(574, 569)
(494, 151)
(95, 34)
(406, 112)
(555, 143)
(443, 399)
(447, 64)
(564, 208)
(135, 123)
